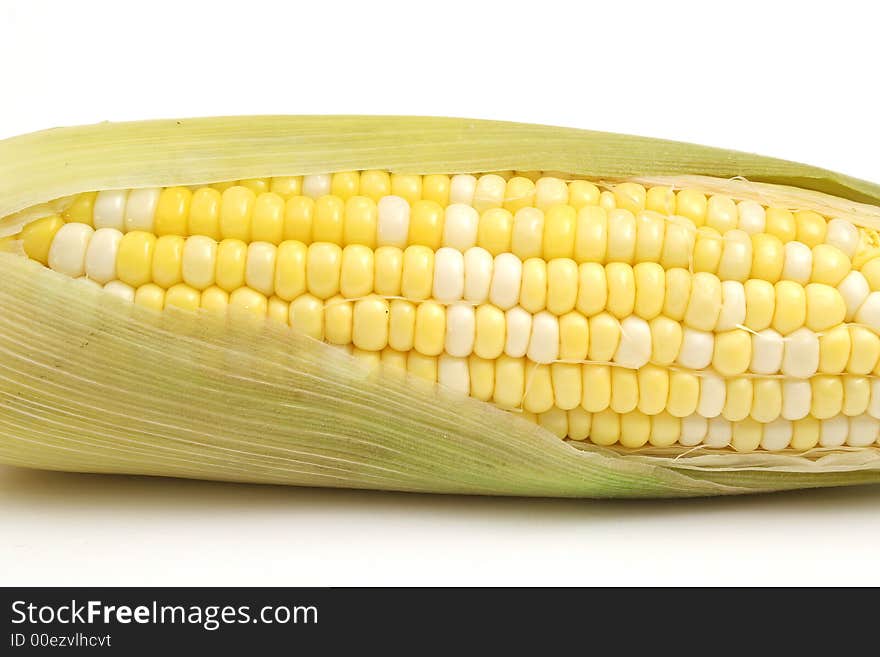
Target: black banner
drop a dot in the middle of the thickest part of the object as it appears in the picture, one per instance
(327, 621)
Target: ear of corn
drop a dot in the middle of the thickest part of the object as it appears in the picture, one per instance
(649, 315)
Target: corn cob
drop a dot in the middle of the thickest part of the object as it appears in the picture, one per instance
(653, 317)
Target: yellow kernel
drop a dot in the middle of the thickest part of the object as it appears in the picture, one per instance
(81, 209)
(635, 429)
(231, 264)
(708, 247)
(825, 307)
(370, 323)
(134, 260)
(509, 381)
(406, 186)
(430, 332)
(323, 268)
(780, 223)
(245, 302)
(182, 296)
(167, 267)
(768, 257)
(361, 219)
(666, 337)
(621, 289)
(624, 389)
(574, 336)
(810, 227)
(286, 186)
(299, 213)
(418, 273)
(630, 196)
(268, 219)
(660, 199)
(562, 285)
(421, 366)
(650, 231)
(375, 184)
(827, 396)
(520, 193)
(678, 292)
(805, 433)
(172, 211)
(650, 282)
(236, 212)
(481, 372)
(345, 184)
(307, 316)
(401, 324)
(721, 213)
(596, 386)
(435, 187)
(150, 296)
(760, 304)
(733, 352)
(328, 223)
(830, 265)
(538, 393)
(665, 430)
(426, 224)
(256, 185)
(204, 213)
(388, 262)
(591, 239)
(621, 236)
(582, 193)
(533, 289)
(357, 271)
(495, 230)
(37, 237)
(605, 428)
(693, 205)
(791, 307)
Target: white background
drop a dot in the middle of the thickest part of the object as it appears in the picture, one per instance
(795, 80)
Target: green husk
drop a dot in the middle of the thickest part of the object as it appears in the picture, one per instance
(88, 383)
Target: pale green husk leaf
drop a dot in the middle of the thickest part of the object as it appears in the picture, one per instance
(88, 383)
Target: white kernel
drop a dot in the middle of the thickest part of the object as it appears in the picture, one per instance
(868, 313)
(713, 394)
(767, 350)
(777, 435)
(460, 227)
(140, 209)
(693, 430)
(121, 290)
(100, 264)
(453, 373)
(798, 263)
(544, 341)
(199, 261)
(854, 289)
(832, 432)
(109, 209)
(800, 358)
(863, 431)
(67, 253)
(460, 329)
(796, 399)
(519, 330)
(733, 306)
(260, 267)
(752, 217)
(393, 221)
(719, 433)
(634, 348)
(489, 192)
(478, 264)
(874, 404)
(844, 235)
(448, 275)
(506, 280)
(462, 188)
(316, 185)
(696, 349)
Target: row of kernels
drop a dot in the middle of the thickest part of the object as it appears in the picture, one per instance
(635, 429)
(325, 270)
